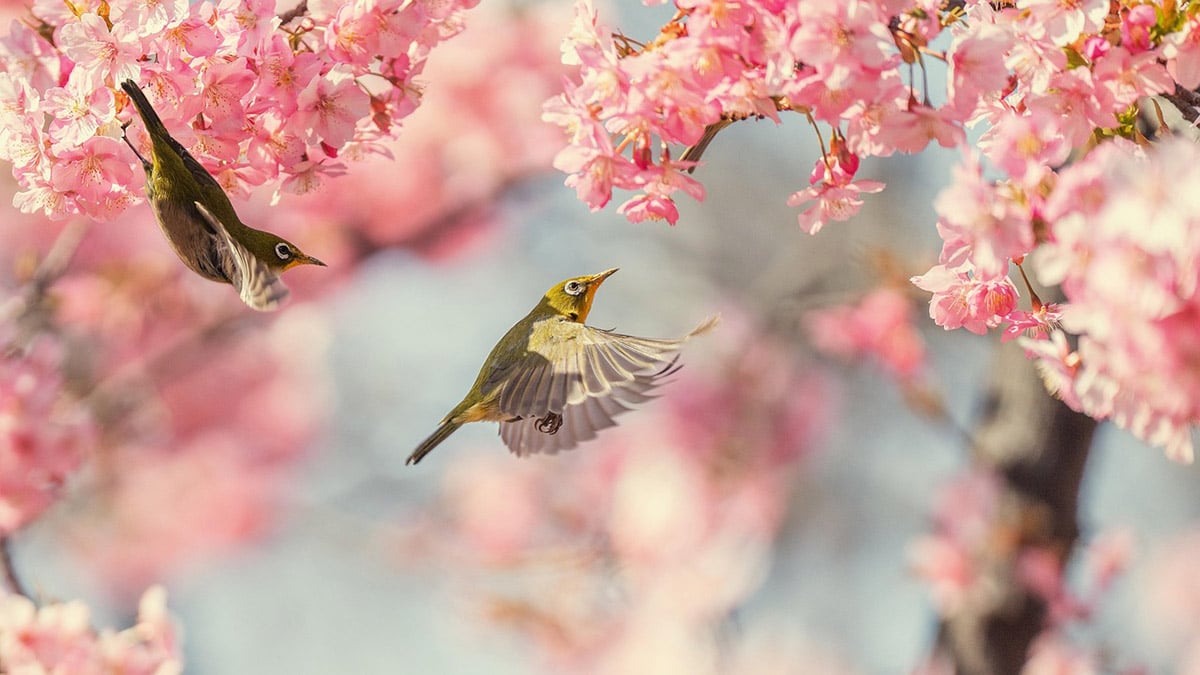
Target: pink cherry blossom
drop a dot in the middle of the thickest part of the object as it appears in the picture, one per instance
(833, 202)
(78, 111)
(283, 74)
(1063, 22)
(151, 16)
(92, 170)
(30, 59)
(1135, 27)
(1075, 107)
(595, 169)
(192, 37)
(656, 203)
(101, 55)
(962, 300)
(1124, 254)
(913, 129)
(982, 222)
(330, 107)
(976, 66)
(841, 40)
(1128, 76)
(835, 191)
(1036, 324)
(224, 85)
(1182, 51)
(58, 638)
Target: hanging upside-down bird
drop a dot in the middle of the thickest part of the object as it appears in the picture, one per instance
(552, 382)
(198, 219)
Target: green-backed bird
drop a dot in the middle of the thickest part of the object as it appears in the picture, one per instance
(199, 221)
(552, 382)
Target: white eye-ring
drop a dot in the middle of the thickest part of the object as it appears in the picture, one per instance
(283, 251)
(573, 288)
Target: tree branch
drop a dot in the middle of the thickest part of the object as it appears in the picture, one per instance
(11, 580)
(1038, 448)
(1187, 102)
(297, 11)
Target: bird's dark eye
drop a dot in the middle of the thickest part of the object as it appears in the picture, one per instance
(283, 251)
(573, 288)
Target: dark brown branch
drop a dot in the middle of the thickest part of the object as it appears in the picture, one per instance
(296, 12)
(1187, 102)
(1038, 447)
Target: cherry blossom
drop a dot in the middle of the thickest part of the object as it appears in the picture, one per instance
(962, 299)
(59, 638)
(880, 325)
(339, 74)
(42, 440)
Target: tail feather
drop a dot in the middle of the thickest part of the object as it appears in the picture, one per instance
(443, 431)
(154, 124)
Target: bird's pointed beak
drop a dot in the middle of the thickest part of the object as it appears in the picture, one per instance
(302, 259)
(598, 279)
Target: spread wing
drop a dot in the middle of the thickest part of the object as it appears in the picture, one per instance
(258, 285)
(587, 376)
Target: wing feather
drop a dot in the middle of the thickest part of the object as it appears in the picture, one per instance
(586, 375)
(258, 285)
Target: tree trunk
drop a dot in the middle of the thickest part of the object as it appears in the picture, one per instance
(1038, 447)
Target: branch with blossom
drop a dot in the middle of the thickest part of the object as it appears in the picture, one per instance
(1048, 80)
(115, 360)
(259, 100)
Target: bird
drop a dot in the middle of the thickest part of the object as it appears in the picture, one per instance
(198, 219)
(553, 381)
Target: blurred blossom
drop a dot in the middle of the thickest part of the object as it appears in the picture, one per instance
(1051, 655)
(198, 466)
(1172, 599)
(45, 435)
(1126, 252)
(59, 638)
(881, 325)
(1108, 555)
(627, 555)
(494, 505)
(947, 559)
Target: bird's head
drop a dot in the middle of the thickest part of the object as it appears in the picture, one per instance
(573, 297)
(278, 253)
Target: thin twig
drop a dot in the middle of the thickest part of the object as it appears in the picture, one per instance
(11, 580)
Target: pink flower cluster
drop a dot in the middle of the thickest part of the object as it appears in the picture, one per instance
(1046, 78)
(717, 62)
(1126, 250)
(201, 425)
(59, 638)
(255, 96)
(880, 325)
(846, 65)
(43, 439)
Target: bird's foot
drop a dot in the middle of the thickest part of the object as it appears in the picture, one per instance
(550, 424)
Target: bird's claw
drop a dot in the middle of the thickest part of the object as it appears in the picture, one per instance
(550, 424)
